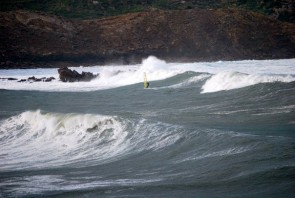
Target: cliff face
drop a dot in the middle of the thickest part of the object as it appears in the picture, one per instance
(89, 9)
(32, 39)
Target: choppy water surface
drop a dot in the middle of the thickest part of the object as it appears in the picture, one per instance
(222, 129)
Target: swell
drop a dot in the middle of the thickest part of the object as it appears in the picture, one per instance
(53, 153)
(222, 81)
(36, 139)
(234, 80)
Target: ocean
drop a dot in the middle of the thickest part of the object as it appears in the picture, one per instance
(207, 129)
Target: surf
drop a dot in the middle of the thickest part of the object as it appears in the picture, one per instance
(234, 80)
(42, 139)
(225, 75)
(37, 139)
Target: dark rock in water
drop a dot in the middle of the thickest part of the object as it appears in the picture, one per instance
(67, 75)
(48, 79)
(22, 80)
(11, 78)
(32, 78)
(87, 76)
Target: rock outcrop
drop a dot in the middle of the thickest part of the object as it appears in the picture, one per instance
(67, 75)
(38, 40)
(31, 79)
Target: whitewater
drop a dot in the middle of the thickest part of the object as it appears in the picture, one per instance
(223, 75)
(204, 129)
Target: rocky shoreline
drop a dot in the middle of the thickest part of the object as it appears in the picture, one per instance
(65, 75)
(30, 79)
(32, 40)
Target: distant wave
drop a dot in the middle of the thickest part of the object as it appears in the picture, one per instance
(234, 80)
(224, 75)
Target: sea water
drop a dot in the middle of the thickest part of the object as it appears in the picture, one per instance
(210, 129)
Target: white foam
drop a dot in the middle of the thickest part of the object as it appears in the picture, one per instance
(109, 77)
(155, 136)
(190, 81)
(36, 139)
(40, 184)
(225, 152)
(116, 76)
(233, 80)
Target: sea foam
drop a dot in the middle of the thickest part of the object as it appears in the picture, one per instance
(234, 80)
(35, 138)
(226, 75)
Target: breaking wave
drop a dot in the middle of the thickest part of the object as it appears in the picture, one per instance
(36, 139)
(235, 80)
(39, 139)
(42, 139)
(223, 75)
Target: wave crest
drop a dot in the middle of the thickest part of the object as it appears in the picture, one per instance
(46, 138)
(233, 80)
(36, 139)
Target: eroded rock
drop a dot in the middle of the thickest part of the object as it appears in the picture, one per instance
(67, 75)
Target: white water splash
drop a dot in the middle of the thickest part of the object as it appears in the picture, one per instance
(36, 139)
(234, 80)
(226, 75)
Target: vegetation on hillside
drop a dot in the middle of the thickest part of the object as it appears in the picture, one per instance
(87, 9)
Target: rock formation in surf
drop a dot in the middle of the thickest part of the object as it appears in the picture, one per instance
(31, 79)
(67, 75)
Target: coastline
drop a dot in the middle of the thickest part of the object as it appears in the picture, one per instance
(34, 40)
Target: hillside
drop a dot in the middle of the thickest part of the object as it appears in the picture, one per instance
(33, 39)
(283, 10)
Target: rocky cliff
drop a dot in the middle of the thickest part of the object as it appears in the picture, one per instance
(283, 10)
(34, 39)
